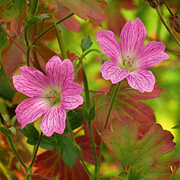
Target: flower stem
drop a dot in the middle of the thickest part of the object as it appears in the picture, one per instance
(27, 44)
(87, 52)
(60, 40)
(106, 123)
(16, 153)
(94, 149)
(77, 149)
(169, 30)
(29, 169)
(112, 102)
(86, 89)
(48, 29)
(36, 150)
(88, 105)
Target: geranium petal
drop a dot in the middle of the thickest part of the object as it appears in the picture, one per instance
(132, 37)
(151, 54)
(71, 89)
(30, 82)
(71, 102)
(53, 121)
(110, 71)
(30, 110)
(142, 80)
(59, 71)
(109, 44)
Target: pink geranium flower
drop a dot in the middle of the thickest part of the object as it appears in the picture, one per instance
(50, 95)
(131, 59)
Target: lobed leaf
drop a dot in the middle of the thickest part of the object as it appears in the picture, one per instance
(16, 15)
(139, 153)
(68, 150)
(86, 9)
(50, 164)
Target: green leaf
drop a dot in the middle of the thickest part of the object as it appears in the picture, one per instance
(134, 173)
(5, 131)
(3, 38)
(68, 150)
(6, 90)
(75, 119)
(89, 116)
(31, 133)
(13, 130)
(48, 143)
(91, 113)
(176, 127)
(139, 153)
(86, 43)
(175, 175)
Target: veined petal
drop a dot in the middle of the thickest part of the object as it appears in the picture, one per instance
(59, 71)
(109, 44)
(142, 80)
(30, 110)
(71, 89)
(30, 82)
(151, 54)
(53, 121)
(132, 37)
(71, 102)
(110, 71)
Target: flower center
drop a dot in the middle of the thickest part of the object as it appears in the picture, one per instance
(128, 62)
(54, 97)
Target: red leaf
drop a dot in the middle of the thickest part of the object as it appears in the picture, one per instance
(86, 8)
(50, 164)
(12, 56)
(16, 15)
(86, 149)
(114, 10)
(71, 23)
(140, 153)
(126, 105)
(115, 24)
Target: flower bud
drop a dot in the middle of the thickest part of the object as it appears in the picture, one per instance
(176, 23)
(152, 3)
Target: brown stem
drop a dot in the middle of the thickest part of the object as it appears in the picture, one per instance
(169, 30)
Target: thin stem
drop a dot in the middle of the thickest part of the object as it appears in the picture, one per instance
(27, 44)
(112, 102)
(87, 52)
(42, 34)
(36, 150)
(77, 149)
(86, 89)
(94, 148)
(88, 105)
(106, 123)
(169, 30)
(4, 171)
(60, 40)
(16, 153)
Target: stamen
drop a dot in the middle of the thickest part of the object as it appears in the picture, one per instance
(54, 97)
